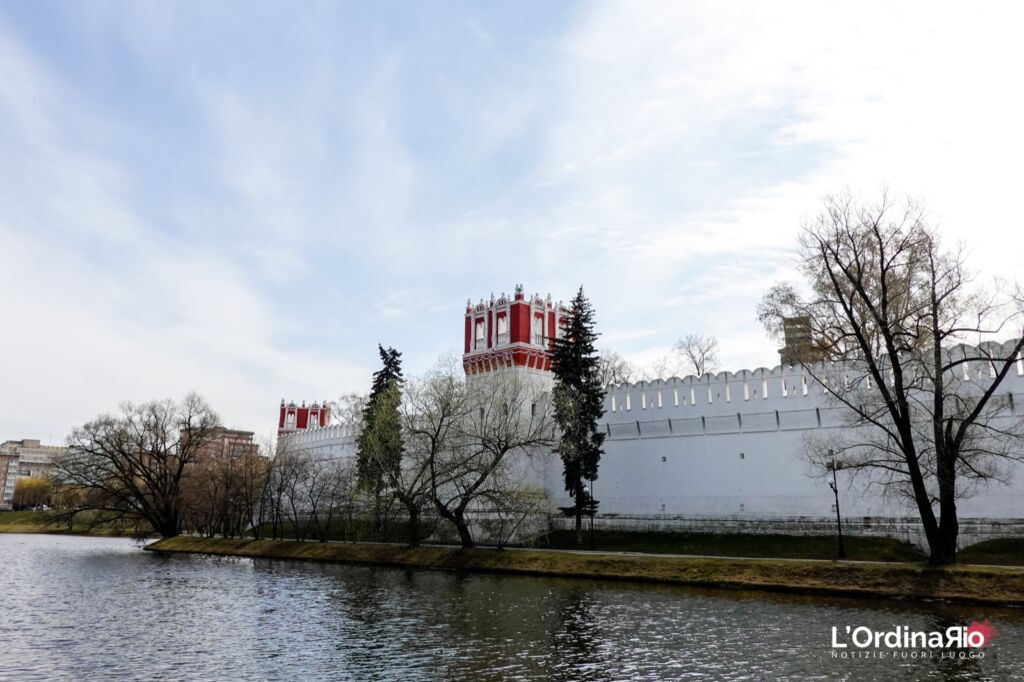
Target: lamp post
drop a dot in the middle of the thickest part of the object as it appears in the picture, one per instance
(835, 491)
(591, 509)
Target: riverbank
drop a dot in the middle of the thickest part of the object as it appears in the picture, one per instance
(858, 548)
(968, 584)
(47, 523)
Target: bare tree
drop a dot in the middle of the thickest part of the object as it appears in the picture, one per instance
(889, 307)
(432, 411)
(614, 369)
(508, 417)
(698, 353)
(514, 502)
(130, 465)
(341, 494)
(663, 367)
(348, 411)
(284, 491)
(221, 489)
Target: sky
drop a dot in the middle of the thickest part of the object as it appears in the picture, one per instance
(243, 199)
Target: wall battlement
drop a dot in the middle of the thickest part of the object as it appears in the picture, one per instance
(330, 442)
(780, 389)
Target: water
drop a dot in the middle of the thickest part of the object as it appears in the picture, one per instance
(97, 608)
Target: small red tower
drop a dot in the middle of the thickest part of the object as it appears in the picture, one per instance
(302, 418)
(516, 332)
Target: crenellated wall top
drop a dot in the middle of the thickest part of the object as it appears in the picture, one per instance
(339, 433)
(763, 386)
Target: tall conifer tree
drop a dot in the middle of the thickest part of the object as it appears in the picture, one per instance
(379, 445)
(578, 397)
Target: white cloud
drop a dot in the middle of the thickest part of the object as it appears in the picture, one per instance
(664, 155)
(99, 306)
(692, 141)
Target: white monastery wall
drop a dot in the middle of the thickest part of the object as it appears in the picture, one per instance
(728, 447)
(723, 453)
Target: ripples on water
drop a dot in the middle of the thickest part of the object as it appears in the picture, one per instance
(96, 608)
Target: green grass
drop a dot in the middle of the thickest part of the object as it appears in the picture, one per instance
(45, 522)
(1002, 552)
(986, 585)
(341, 530)
(738, 545)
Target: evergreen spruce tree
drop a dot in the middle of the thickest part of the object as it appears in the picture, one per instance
(379, 445)
(578, 397)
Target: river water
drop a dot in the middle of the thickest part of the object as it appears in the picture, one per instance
(98, 609)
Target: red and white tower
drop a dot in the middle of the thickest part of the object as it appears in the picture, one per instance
(302, 418)
(511, 333)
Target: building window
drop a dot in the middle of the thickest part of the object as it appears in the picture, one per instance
(742, 456)
(502, 328)
(538, 330)
(479, 333)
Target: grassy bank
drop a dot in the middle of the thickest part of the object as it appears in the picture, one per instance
(1004, 586)
(46, 522)
(1002, 552)
(738, 545)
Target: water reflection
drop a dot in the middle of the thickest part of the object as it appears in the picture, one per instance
(100, 608)
(575, 634)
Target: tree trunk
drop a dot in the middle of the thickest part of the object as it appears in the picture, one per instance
(377, 524)
(579, 512)
(944, 550)
(413, 524)
(167, 529)
(458, 518)
(465, 537)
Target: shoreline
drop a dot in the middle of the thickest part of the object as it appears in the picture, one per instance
(29, 530)
(41, 523)
(987, 585)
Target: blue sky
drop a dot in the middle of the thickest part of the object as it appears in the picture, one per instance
(244, 198)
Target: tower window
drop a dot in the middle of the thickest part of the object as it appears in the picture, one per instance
(479, 332)
(502, 325)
